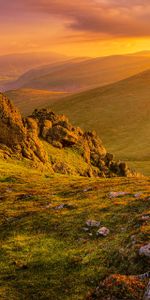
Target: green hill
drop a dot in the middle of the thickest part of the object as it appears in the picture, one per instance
(120, 113)
(14, 65)
(29, 99)
(81, 74)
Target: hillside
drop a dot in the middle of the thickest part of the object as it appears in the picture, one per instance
(81, 74)
(120, 114)
(49, 252)
(52, 142)
(74, 222)
(14, 65)
(29, 99)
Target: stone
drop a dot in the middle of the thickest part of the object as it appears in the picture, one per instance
(85, 229)
(138, 195)
(133, 239)
(147, 293)
(92, 223)
(61, 206)
(117, 194)
(145, 217)
(145, 250)
(104, 231)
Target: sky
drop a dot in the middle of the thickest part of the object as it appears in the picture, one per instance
(75, 27)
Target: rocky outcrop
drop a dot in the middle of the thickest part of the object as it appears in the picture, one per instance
(16, 138)
(23, 137)
(57, 130)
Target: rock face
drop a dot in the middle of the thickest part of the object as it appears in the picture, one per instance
(12, 130)
(24, 138)
(59, 132)
(16, 135)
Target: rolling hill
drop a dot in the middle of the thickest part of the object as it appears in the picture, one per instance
(14, 65)
(83, 73)
(120, 113)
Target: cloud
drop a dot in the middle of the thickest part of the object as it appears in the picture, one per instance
(110, 17)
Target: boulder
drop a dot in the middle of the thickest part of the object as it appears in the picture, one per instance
(92, 223)
(103, 231)
(145, 250)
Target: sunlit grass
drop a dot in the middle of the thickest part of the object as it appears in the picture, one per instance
(45, 253)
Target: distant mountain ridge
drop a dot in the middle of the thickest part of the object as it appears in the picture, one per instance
(75, 75)
(14, 65)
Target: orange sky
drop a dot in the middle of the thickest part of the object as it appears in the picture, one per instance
(81, 27)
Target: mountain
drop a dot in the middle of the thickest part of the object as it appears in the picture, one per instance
(47, 138)
(119, 113)
(13, 65)
(54, 66)
(80, 74)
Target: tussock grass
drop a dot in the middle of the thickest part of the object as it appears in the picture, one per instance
(45, 252)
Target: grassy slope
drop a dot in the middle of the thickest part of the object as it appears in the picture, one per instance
(120, 114)
(77, 75)
(14, 65)
(45, 252)
(54, 65)
(17, 63)
(28, 99)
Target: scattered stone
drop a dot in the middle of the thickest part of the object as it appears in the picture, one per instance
(104, 231)
(87, 190)
(138, 195)
(144, 276)
(85, 229)
(58, 207)
(147, 293)
(24, 196)
(133, 239)
(145, 250)
(48, 205)
(9, 190)
(90, 234)
(62, 206)
(145, 217)
(123, 229)
(93, 223)
(117, 194)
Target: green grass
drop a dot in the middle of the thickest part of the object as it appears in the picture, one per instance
(45, 252)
